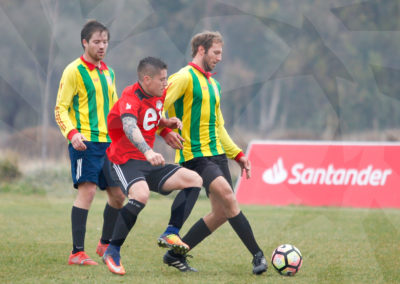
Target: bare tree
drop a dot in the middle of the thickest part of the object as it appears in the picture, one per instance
(51, 10)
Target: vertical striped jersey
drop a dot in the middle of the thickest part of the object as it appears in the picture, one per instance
(194, 97)
(85, 96)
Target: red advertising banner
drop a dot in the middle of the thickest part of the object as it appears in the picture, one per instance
(322, 174)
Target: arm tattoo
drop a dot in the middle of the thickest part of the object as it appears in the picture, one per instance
(133, 133)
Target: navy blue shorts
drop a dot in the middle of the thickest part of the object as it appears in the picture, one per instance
(136, 170)
(88, 165)
(209, 168)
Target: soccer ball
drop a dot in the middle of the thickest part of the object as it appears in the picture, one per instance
(287, 260)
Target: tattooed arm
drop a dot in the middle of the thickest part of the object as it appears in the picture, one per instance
(134, 135)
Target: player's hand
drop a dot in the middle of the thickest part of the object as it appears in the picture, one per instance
(155, 159)
(174, 123)
(77, 142)
(245, 165)
(174, 140)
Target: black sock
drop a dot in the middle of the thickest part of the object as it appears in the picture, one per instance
(243, 229)
(126, 219)
(78, 221)
(198, 232)
(110, 216)
(183, 205)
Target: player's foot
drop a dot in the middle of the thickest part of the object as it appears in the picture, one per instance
(259, 263)
(112, 258)
(101, 248)
(80, 258)
(178, 261)
(174, 242)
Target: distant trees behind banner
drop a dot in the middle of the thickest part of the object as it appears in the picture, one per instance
(321, 70)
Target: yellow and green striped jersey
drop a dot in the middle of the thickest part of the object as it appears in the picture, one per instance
(195, 100)
(85, 96)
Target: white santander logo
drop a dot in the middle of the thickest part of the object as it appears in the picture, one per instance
(276, 174)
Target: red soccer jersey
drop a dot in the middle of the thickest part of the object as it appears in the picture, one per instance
(146, 109)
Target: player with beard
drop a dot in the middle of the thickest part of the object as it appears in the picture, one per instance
(85, 96)
(193, 96)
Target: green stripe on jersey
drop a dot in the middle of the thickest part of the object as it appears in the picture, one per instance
(92, 104)
(178, 105)
(196, 114)
(106, 103)
(212, 125)
(76, 110)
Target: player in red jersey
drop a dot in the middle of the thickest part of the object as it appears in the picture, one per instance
(132, 125)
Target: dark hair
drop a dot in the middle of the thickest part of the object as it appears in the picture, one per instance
(206, 40)
(150, 66)
(90, 28)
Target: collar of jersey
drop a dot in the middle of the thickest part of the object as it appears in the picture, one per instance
(91, 66)
(142, 91)
(207, 74)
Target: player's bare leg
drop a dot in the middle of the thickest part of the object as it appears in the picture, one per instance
(225, 207)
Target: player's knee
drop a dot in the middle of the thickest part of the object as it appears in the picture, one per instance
(118, 201)
(229, 201)
(87, 190)
(116, 197)
(188, 178)
(226, 194)
(140, 194)
(196, 180)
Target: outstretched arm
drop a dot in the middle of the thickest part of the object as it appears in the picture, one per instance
(135, 136)
(231, 149)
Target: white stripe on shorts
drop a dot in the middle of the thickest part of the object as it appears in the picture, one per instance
(78, 169)
(120, 174)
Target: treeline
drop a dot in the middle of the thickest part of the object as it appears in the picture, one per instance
(319, 70)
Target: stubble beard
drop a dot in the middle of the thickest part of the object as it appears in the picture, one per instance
(97, 57)
(207, 67)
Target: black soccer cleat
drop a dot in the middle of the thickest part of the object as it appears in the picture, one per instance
(178, 261)
(260, 264)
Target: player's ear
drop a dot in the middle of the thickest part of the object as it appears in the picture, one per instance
(85, 43)
(146, 79)
(201, 50)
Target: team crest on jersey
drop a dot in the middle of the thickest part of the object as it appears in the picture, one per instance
(128, 106)
(159, 105)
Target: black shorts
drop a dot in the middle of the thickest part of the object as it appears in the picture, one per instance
(136, 170)
(209, 168)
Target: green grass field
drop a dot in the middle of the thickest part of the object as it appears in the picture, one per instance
(338, 245)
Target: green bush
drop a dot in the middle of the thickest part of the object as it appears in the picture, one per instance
(9, 170)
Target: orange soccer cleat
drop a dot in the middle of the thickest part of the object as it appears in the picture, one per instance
(112, 258)
(101, 248)
(174, 242)
(81, 258)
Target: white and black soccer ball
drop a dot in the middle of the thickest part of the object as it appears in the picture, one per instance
(287, 260)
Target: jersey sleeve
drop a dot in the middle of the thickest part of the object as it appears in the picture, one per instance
(177, 85)
(231, 149)
(66, 92)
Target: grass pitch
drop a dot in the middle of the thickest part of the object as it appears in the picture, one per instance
(338, 245)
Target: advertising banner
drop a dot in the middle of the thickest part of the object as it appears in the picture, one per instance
(322, 174)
